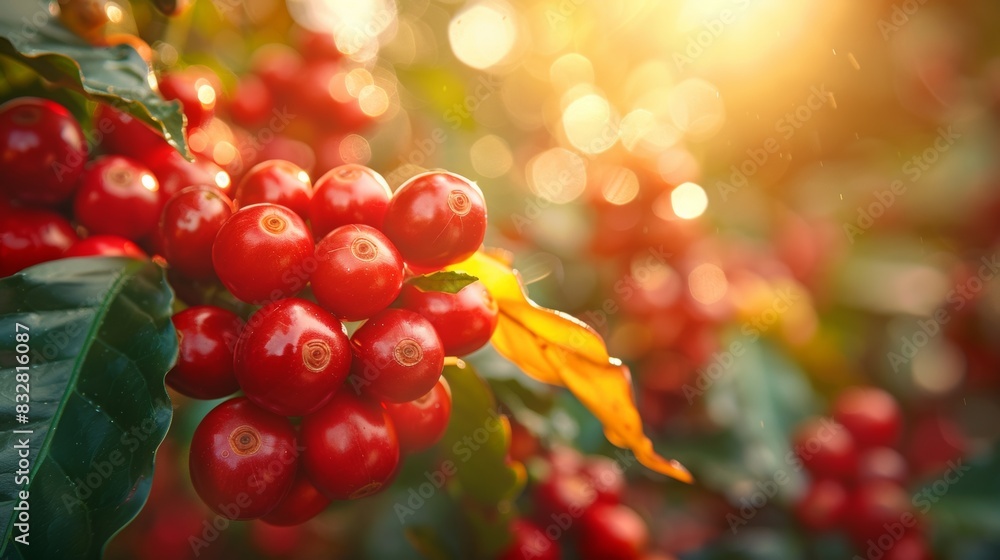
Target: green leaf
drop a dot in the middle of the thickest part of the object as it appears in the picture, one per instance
(477, 442)
(759, 396)
(447, 282)
(100, 341)
(116, 75)
(962, 501)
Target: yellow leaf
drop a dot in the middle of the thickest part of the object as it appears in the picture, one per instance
(558, 349)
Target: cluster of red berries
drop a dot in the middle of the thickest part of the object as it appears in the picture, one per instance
(301, 104)
(859, 478)
(48, 181)
(364, 400)
(118, 197)
(579, 499)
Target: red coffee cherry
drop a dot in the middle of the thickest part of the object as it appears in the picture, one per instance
(278, 182)
(125, 135)
(322, 92)
(42, 150)
(243, 459)
(176, 173)
(397, 356)
(877, 509)
(563, 495)
(106, 246)
(823, 506)
(436, 219)
(206, 336)
(348, 194)
(118, 196)
(826, 448)
(351, 447)
(882, 463)
(529, 542)
(30, 236)
(606, 477)
(264, 252)
(252, 102)
(194, 90)
(292, 357)
(870, 414)
(316, 45)
(188, 225)
(911, 546)
(303, 502)
(612, 532)
(421, 423)
(464, 321)
(358, 272)
(279, 66)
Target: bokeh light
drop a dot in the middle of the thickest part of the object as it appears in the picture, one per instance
(354, 148)
(483, 34)
(696, 108)
(707, 283)
(114, 12)
(205, 92)
(373, 100)
(590, 124)
(557, 175)
(620, 186)
(570, 70)
(688, 201)
(356, 25)
(491, 156)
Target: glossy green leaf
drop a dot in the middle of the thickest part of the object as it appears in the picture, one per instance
(446, 281)
(100, 341)
(962, 499)
(477, 443)
(761, 396)
(117, 75)
(478, 438)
